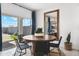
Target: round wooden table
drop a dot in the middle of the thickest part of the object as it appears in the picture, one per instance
(40, 43)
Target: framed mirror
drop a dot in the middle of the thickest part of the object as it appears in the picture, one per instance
(51, 23)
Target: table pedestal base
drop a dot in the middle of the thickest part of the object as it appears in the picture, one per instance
(40, 48)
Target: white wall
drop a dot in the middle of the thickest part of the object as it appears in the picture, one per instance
(67, 21)
(75, 27)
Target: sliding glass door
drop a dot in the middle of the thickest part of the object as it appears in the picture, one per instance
(9, 27)
(21, 24)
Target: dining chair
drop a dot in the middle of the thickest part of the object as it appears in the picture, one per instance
(20, 38)
(56, 45)
(20, 47)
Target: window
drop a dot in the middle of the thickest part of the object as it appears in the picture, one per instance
(27, 26)
(9, 27)
(8, 21)
(27, 22)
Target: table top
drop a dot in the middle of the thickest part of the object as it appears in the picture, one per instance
(40, 38)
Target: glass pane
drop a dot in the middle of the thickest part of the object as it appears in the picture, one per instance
(27, 22)
(8, 21)
(9, 27)
(27, 26)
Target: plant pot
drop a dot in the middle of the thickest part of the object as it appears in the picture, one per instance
(68, 46)
(39, 34)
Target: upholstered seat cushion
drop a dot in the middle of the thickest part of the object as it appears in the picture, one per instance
(24, 46)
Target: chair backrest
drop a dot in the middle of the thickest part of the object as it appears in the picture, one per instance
(20, 37)
(17, 43)
(60, 40)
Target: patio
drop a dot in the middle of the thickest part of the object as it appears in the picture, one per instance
(8, 43)
(6, 37)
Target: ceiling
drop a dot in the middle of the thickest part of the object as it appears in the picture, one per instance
(14, 10)
(11, 9)
(43, 6)
(38, 6)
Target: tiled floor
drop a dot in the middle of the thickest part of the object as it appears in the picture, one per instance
(10, 52)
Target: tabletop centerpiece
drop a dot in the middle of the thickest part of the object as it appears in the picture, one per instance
(39, 32)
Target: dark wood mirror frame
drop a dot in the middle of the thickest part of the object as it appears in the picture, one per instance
(57, 20)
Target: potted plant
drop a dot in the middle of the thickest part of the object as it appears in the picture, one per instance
(68, 44)
(39, 32)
